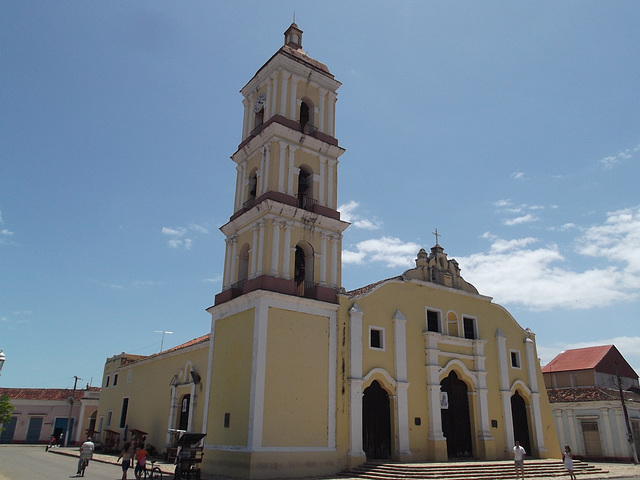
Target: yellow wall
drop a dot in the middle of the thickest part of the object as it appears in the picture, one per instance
(146, 383)
(296, 397)
(231, 380)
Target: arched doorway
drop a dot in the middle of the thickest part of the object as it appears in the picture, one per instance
(520, 422)
(376, 422)
(185, 405)
(456, 423)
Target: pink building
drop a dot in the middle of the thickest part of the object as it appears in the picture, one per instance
(40, 413)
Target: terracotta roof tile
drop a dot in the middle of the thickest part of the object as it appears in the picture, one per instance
(190, 343)
(589, 394)
(368, 288)
(51, 394)
(600, 358)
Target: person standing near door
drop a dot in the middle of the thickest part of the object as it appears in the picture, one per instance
(518, 458)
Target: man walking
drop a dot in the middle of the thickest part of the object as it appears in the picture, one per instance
(518, 458)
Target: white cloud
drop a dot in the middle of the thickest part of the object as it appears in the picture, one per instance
(618, 239)
(179, 238)
(517, 175)
(528, 218)
(612, 160)
(507, 208)
(391, 251)
(499, 245)
(348, 214)
(216, 279)
(530, 277)
(172, 231)
(515, 272)
(4, 232)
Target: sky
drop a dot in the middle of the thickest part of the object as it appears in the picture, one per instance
(511, 127)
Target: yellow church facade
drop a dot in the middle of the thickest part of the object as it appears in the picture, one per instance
(307, 379)
(303, 378)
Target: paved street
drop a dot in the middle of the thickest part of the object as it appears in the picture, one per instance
(20, 462)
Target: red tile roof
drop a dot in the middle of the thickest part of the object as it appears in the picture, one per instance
(51, 394)
(368, 288)
(601, 358)
(589, 394)
(190, 343)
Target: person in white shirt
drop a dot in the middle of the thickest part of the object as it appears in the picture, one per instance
(518, 457)
(567, 459)
(86, 452)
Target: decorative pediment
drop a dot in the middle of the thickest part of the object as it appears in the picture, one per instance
(437, 268)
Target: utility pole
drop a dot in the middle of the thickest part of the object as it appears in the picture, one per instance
(68, 434)
(626, 418)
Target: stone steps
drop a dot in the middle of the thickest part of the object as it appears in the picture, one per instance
(489, 470)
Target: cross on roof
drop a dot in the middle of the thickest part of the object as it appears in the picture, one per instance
(437, 235)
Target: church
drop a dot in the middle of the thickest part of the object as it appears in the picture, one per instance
(299, 377)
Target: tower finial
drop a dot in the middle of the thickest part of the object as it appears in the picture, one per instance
(293, 36)
(294, 16)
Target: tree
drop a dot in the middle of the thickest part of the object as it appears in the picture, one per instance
(6, 409)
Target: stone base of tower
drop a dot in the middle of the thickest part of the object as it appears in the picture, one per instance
(267, 465)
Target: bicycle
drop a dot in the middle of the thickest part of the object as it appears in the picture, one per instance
(83, 466)
(154, 472)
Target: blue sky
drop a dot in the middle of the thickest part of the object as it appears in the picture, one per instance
(511, 127)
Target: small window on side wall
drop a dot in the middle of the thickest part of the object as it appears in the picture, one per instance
(376, 338)
(515, 359)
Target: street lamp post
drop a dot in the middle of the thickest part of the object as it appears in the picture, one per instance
(163, 333)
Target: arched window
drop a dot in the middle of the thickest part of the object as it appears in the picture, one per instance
(306, 117)
(305, 190)
(243, 264)
(303, 274)
(253, 188)
(259, 119)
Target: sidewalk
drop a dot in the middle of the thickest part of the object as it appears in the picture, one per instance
(614, 470)
(167, 468)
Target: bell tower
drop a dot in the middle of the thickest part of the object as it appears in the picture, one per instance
(285, 234)
(271, 395)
